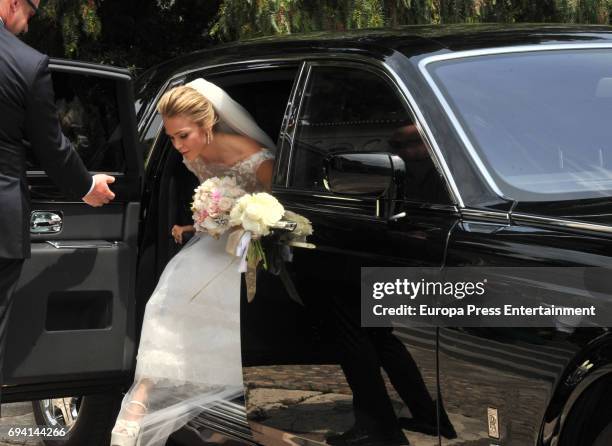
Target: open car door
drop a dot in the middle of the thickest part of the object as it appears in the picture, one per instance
(72, 325)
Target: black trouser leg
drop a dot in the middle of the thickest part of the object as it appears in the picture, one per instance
(338, 307)
(362, 368)
(9, 274)
(404, 374)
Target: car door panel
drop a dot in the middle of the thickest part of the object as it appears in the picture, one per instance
(73, 315)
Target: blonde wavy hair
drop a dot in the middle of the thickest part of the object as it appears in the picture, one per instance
(188, 102)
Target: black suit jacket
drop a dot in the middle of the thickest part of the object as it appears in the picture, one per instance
(28, 114)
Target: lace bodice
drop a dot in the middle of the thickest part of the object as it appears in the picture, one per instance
(244, 170)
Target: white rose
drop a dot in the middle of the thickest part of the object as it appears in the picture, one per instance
(270, 211)
(237, 210)
(257, 213)
(256, 227)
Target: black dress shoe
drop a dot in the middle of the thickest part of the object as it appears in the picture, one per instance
(418, 425)
(359, 436)
(429, 427)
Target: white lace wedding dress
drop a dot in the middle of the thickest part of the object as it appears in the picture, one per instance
(189, 356)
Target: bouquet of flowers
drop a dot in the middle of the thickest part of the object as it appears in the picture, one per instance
(219, 204)
(212, 202)
(260, 215)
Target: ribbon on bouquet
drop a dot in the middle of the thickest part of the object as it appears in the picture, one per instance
(238, 243)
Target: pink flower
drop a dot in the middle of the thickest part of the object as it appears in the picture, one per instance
(212, 202)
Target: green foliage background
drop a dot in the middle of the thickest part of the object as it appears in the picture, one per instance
(141, 33)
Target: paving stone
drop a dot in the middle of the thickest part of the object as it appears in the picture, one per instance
(264, 397)
(18, 414)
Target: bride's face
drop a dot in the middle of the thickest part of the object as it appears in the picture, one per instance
(186, 136)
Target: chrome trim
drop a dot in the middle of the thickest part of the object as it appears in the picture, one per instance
(96, 72)
(155, 141)
(561, 222)
(269, 62)
(93, 244)
(336, 197)
(485, 214)
(513, 49)
(43, 174)
(436, 207)
(302, 82)
(397, 216)
(46, 222)
(285, 225)
(447, 239)
(287, 131)
(486, 52)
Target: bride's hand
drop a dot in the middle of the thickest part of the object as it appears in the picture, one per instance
(177, 232)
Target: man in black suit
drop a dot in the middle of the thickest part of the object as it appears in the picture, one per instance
(27, 113)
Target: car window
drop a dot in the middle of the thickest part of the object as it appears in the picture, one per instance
(538, 120)
(88, 111)
(356, 110)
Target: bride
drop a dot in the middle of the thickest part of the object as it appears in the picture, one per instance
(189, 356)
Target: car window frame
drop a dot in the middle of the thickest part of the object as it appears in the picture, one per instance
(287, 144)
(210, 71)
(130, 148)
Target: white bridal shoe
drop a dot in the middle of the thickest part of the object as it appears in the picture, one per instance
(127, 432)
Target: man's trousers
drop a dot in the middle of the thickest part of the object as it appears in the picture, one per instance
(10, 269)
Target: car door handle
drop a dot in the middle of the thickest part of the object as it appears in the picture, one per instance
(397, 216)
(45, 222)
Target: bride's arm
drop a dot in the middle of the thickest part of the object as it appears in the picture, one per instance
(178, 231)
(264, 174)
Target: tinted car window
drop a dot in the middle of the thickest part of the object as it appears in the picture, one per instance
(359, 111)
(88, 111)
(540, 121)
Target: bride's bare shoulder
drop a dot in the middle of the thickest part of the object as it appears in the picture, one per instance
(244, 145)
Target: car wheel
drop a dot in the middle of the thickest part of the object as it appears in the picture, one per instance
(88, 419)
(605, 436)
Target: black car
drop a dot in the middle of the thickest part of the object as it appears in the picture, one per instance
(421, 146)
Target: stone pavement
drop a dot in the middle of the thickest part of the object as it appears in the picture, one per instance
(312, 401)
(17, 414)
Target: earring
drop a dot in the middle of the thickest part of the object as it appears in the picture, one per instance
(208, 138)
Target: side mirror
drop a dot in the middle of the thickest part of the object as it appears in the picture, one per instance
(363, 174)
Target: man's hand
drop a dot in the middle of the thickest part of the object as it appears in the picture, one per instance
(100, 194)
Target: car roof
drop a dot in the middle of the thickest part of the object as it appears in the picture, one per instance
(415, 41)
(409, 40)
